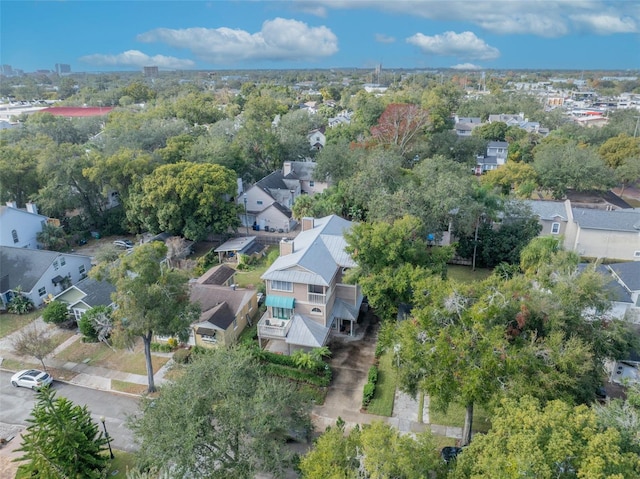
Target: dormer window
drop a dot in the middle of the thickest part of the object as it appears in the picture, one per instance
(14, 234)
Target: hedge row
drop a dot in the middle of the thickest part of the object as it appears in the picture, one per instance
(299, 374)
(370, 387)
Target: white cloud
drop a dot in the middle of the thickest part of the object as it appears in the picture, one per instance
(464, 45)
(279, 39)
(382, 38)
(136, 58)
(466, 66)
(605, 24)
(549, 18)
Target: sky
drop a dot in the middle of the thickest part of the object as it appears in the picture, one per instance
(95, 36)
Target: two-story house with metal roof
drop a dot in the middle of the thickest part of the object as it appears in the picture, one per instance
(306, 297)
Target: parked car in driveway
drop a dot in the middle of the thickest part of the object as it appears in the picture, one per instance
(123, 243)
(31, 378)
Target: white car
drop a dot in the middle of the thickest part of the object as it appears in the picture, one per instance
(31, 378)
(123, 244)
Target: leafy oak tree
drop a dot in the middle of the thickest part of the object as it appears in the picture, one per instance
(528, 439)
(187, 199)
(62, 441)
(150, 298)
(376, 451)
(225, 417)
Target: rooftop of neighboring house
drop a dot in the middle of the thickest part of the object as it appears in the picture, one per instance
(548, 210)
(217, 275)
(210, 296)
(629, 274)
(615, 220)
(616, 292)
(72, 111)
(273, 181)
(317, 254)
(96, 293)
(24, 267)
(299, 170)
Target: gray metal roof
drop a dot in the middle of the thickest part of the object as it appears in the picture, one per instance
(498, 144)
(629, 274)
(306, 332)
(236, 244)
(317, 254)
(615, 220)
(98, 293)
(548, 210)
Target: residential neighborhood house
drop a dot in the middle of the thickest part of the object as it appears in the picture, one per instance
(225, 309)
(85, 295)
(39, 273)
(19, 227)
(592, 232)
(306, 298)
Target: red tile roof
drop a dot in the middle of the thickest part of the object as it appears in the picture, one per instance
(76, 111)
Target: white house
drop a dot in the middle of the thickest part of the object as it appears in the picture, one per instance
(20, 227)
(300, 173)
(267, 204)
(39, 274)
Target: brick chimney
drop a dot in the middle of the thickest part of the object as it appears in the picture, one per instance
(286, 246)
(307, 223)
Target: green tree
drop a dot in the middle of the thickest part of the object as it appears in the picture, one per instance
(367, 108)
(186, 199)
(556, 440)
(56, 312)
(18, 175)
(618, 150)
(564, 165)
(62, 441)
(52, 237)
(223, 418)
(495, 131)
(376, 451)
(150, 298)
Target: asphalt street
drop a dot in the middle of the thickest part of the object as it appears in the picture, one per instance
(16, 405)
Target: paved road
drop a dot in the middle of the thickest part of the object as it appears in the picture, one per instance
(16, 405)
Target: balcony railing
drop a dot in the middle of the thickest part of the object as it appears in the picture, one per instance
(316, 298)
(272, 327)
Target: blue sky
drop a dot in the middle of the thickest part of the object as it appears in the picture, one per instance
(259, 34)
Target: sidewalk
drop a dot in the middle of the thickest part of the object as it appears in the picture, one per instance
(83, 374)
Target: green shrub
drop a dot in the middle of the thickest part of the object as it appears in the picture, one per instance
(172, 343)
(367, 395)
(297, 374)
(56, 312)
(85, 325)
(372, 376)
(182, 356)
(160, 348)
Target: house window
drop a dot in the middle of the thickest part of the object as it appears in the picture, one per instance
(316, 311)
(281, 313)
(259, 202)
(555, 228)
(281, 285)
(14, 233)
(235, 323)
(209, 338)
(312, 184)
(636, 254)
(62, 262)
(42, 291)
(55, 265)
(81, 269)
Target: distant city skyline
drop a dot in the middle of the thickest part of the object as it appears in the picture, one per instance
(300, 34)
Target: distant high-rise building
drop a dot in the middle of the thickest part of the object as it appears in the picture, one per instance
(150, 71)
(6, 70)
(62, 68)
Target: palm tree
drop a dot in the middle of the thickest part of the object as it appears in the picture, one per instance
(52, 237)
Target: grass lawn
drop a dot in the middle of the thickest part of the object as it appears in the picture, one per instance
(125, 387)
(99, 354)
(465, 274)
(12, 322)
(251, 276)
(382, 402)
(455, 417)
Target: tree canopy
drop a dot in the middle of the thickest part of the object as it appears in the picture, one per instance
(224, 417)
